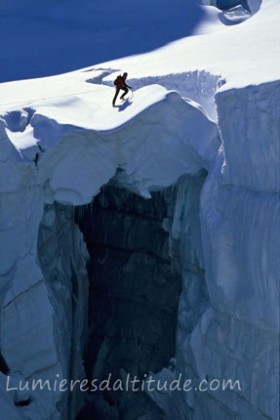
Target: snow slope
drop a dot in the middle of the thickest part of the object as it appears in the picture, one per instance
(219, 114)
(47, 37)
(243, 55)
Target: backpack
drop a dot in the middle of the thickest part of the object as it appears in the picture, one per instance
(119, 81)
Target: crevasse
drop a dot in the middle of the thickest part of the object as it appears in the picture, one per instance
(222, 234)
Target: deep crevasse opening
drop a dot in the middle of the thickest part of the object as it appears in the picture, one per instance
(135, 280)
(137, 257)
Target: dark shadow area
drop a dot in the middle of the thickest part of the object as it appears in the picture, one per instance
(227, 4)
(23, 403)
(251, 6)
(134, 287)
(4, 368)
(124, 105)
(56, 38)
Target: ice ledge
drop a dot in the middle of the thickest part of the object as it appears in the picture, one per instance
(153, 142)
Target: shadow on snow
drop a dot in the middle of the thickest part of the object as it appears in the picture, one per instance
(53, 39)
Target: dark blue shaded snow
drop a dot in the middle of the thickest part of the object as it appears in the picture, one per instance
(50, 38)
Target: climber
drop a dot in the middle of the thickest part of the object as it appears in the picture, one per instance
(120, 83)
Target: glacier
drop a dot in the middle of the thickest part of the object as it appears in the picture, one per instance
(144, 239)
(223, 239)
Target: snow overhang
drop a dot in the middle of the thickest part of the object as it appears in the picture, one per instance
(81, 143)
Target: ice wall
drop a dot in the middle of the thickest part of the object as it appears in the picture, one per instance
(62, 255)
(42, 303)
(237, 334)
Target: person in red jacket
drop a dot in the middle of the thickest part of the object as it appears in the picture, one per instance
(120, 83)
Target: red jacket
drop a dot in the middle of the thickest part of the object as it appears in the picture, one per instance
(120, 82)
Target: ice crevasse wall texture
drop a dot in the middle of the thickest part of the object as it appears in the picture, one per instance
(235, 333)
(240, 231)
(228, 326)
(38, 272)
